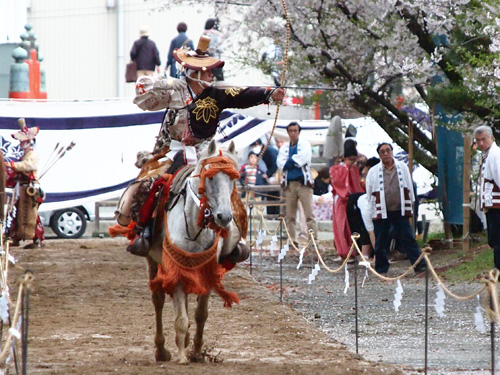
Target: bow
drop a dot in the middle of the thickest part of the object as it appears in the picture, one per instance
(283, 76)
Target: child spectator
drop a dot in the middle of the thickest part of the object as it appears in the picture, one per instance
(250, 173)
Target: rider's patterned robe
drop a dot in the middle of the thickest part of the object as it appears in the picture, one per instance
(191, 119)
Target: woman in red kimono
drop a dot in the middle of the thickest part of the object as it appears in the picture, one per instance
(345, 179)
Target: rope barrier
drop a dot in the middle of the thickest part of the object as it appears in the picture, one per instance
(260, 211)
(422, 256)
(492, 306)
(323, 262)
(269, 232)
(491, 301)
(14, 310)
(24, 284)
(15, 314)
(288, 235)
(446, 290)
(261, 194)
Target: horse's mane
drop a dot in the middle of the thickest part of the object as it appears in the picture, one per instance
(204, 154)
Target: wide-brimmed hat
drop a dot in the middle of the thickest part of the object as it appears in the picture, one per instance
(25, 134)
(198, 59)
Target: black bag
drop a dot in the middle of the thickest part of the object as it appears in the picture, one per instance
(131, 72)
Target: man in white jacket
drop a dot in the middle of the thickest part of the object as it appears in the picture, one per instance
(294, 160)
(490, 190)
(390, 190)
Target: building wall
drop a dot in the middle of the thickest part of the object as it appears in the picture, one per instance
(79, 42)
(12, 20)
(84, 55)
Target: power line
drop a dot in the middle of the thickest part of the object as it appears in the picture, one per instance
(312, 88)
(287, 87)
(86, 11)
(232, 3)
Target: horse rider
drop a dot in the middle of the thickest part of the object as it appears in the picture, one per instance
(193, 107)
(22, 175)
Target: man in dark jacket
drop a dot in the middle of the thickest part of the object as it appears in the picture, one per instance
(179, 41)
(145, 54)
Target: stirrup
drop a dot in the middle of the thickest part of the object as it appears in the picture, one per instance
(140, 245)
(239, 254)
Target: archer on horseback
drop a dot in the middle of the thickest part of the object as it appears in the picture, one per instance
(193, 107)
(22, 176)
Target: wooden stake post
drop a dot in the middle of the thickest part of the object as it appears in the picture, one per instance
(410, 147)
(410, 166)
(466, 194)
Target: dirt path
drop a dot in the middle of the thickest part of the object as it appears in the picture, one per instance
(91, 314)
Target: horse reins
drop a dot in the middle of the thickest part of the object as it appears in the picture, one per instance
(209, 168)
(283, 76)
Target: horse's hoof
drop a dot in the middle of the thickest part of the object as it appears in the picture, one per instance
(162, 355)
(183, 360)
(196, 358)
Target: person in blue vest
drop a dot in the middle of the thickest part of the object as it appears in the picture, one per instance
(294, 159)
(180, 41)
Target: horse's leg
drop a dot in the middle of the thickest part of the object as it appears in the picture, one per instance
(201, 316)
(186, 339)
(181, 322)
(161, 354)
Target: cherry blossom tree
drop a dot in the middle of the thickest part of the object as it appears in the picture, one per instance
(382, 57)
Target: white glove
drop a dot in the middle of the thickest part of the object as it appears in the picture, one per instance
(170, 84)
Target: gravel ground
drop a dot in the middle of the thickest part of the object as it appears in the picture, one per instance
(455, 345)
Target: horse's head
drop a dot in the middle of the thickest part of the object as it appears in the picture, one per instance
(218, 169)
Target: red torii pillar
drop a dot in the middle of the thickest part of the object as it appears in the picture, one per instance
(35, 76)
(317, 105)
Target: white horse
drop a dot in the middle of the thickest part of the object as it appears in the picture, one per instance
(186, 245)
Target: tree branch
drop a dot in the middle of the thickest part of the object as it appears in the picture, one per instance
(392, 127)
(427, 44)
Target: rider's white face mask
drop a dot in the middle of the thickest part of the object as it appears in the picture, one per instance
(203, 84)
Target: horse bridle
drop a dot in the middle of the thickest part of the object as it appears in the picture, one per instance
(213, 165)
(209, 168)
(197, 201)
